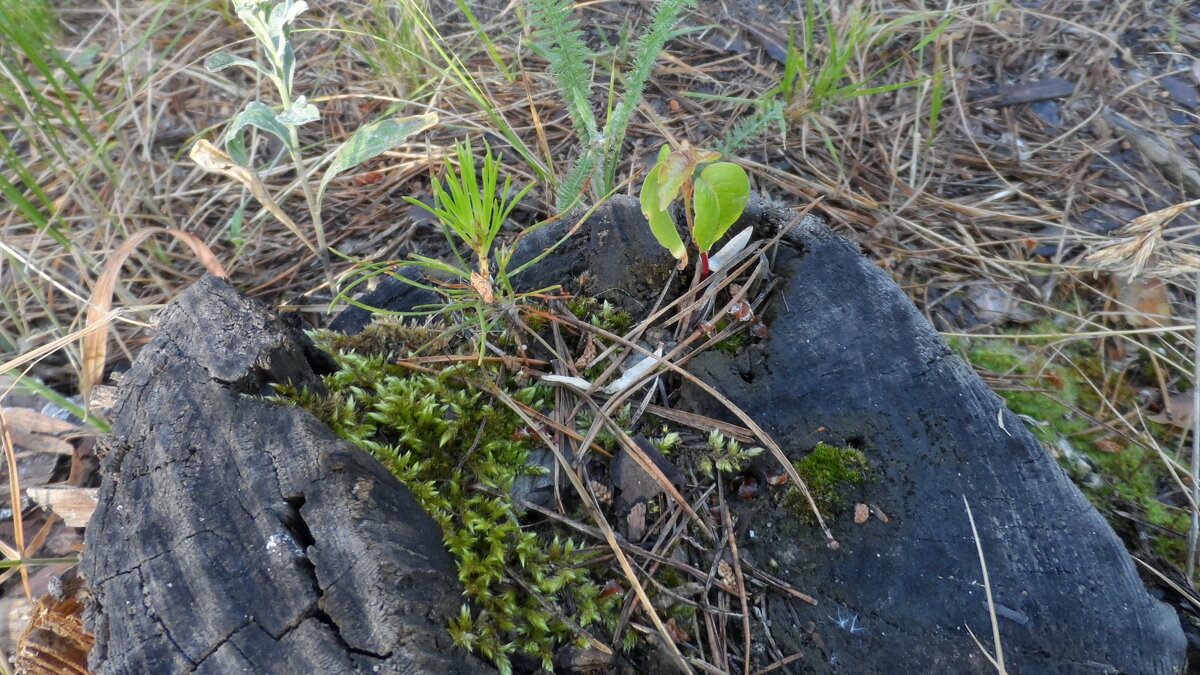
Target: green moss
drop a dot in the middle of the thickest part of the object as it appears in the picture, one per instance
(829, 471)
(388, 336)
(443, 436)
(600, 313)
(1058, 382)
(733, 344)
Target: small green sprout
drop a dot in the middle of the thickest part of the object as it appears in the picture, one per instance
(474, 210)
(726, 454)
(713, 198)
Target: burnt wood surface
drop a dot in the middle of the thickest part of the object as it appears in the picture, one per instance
(237, 535)
(233, 534)
(850, 361)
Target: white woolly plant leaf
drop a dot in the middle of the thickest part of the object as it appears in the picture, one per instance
(300, 112)
(258, 115)
(222, 60)
(372, 140)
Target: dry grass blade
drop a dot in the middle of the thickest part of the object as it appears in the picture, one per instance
(731, 532)
(753, 426)
(638, 455)
(1141, 238)
(997, 661)
(702, 423)
(1184, 593)
(14, 495)
(95, 342)
(610, 538)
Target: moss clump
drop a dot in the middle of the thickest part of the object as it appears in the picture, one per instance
(389, 335)
(1059, 394)
(829, 471)
(733, 344)
(600, 313)
(461, 453)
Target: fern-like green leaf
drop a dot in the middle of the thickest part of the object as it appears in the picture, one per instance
(749, 127)
(559, 35)
(570, 189)
(666, 16)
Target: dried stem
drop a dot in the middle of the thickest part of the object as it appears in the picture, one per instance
(1194, 530)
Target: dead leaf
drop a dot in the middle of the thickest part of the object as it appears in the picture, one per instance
(677, 634)
(589, 352)
(634, 482)
(1145, 302)
(996, 304)
(1177, 411)
(73, 504)
(1111, 447)
(210, 158)
(635, 522)
(41, 443)
(32, 421)
(483, 287)
(95, 334)
(861, 513)
(611, 588)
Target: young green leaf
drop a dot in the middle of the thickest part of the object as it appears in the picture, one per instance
(222, 60)
(300, 112)
(258, 115)
(707, 208)
(372, 140)
(661, 223)
(730, 190)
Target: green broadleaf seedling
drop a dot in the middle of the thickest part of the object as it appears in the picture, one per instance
(714, 195)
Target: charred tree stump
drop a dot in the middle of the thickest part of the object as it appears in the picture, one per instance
(236, 535)
(850, 361)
